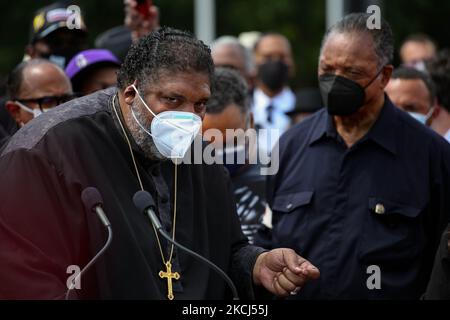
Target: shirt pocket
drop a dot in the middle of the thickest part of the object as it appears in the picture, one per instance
(391, 232)
(290, 217)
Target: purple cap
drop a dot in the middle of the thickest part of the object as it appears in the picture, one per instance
(88, 58)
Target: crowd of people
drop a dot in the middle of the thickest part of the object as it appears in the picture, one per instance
(362, 179)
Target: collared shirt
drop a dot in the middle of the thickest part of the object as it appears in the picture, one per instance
(282, 103)
(369, 216)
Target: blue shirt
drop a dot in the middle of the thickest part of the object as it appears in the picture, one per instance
(383, 202)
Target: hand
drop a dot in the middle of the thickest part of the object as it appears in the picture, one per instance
(283, 272)
(139, 25)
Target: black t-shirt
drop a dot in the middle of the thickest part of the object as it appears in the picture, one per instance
(250, 194)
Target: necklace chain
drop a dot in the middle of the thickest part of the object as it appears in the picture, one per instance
(142, 188)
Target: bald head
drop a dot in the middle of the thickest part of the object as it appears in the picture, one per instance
(44, 79)
(37, 78)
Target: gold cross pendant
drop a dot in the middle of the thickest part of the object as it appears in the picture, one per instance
(169, 275)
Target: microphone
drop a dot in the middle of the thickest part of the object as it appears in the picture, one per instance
(93, 202)
(145, 203)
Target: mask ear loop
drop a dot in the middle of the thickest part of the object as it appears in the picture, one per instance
(148, 132)
(24, 107)
(156, 116)
(373, 80)
(430, 113)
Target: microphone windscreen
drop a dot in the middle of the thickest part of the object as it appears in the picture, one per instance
(143, 200)
(91, 198)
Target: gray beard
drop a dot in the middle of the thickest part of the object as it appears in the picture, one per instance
(142, 138)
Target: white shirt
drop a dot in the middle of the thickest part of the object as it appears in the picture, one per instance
(281, 103)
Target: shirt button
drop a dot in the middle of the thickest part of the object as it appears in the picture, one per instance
(379, 209)
(289, 206)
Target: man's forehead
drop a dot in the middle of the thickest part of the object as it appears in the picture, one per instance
(229, 57)
(182, 83)
(347, 47)
(43, 76)
(274, 43)
(414, 86)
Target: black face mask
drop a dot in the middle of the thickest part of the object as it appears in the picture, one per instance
(342, 96)
(274, 74)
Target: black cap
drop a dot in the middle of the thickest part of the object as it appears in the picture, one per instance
(117, 40)
(53, 17)
(308, 100)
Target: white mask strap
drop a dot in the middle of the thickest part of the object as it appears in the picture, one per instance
(138, 94)
(156, 116)
(430, 113)
(24, 107)
(148, 132)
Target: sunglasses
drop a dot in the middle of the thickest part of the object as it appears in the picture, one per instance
(48, 102)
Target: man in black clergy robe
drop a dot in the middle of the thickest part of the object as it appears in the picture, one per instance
(103, 140)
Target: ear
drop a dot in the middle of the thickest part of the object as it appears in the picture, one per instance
(129, 94)
(14, 110)
(437, 110)
(386, 73)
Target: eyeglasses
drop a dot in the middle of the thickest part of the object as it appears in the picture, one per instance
(48, 102)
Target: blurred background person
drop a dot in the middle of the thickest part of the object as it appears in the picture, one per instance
(272, 97)
(249, 38)
(52, 39)
(137, 24)
(416, 49)
(228, 52)
(414, 92)
(34, 87)
(439, 70)
(228, 108)
(92, 70)
(308, 101)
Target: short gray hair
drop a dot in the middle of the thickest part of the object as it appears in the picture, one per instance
(234, 42)
(383, 38)
(228, 87)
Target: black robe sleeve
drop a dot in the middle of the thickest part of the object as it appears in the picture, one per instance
(42, 228)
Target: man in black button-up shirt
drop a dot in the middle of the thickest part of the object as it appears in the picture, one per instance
(363, 190)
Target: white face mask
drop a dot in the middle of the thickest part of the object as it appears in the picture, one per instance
(172, 131)
(35, 112)
(422, 118)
